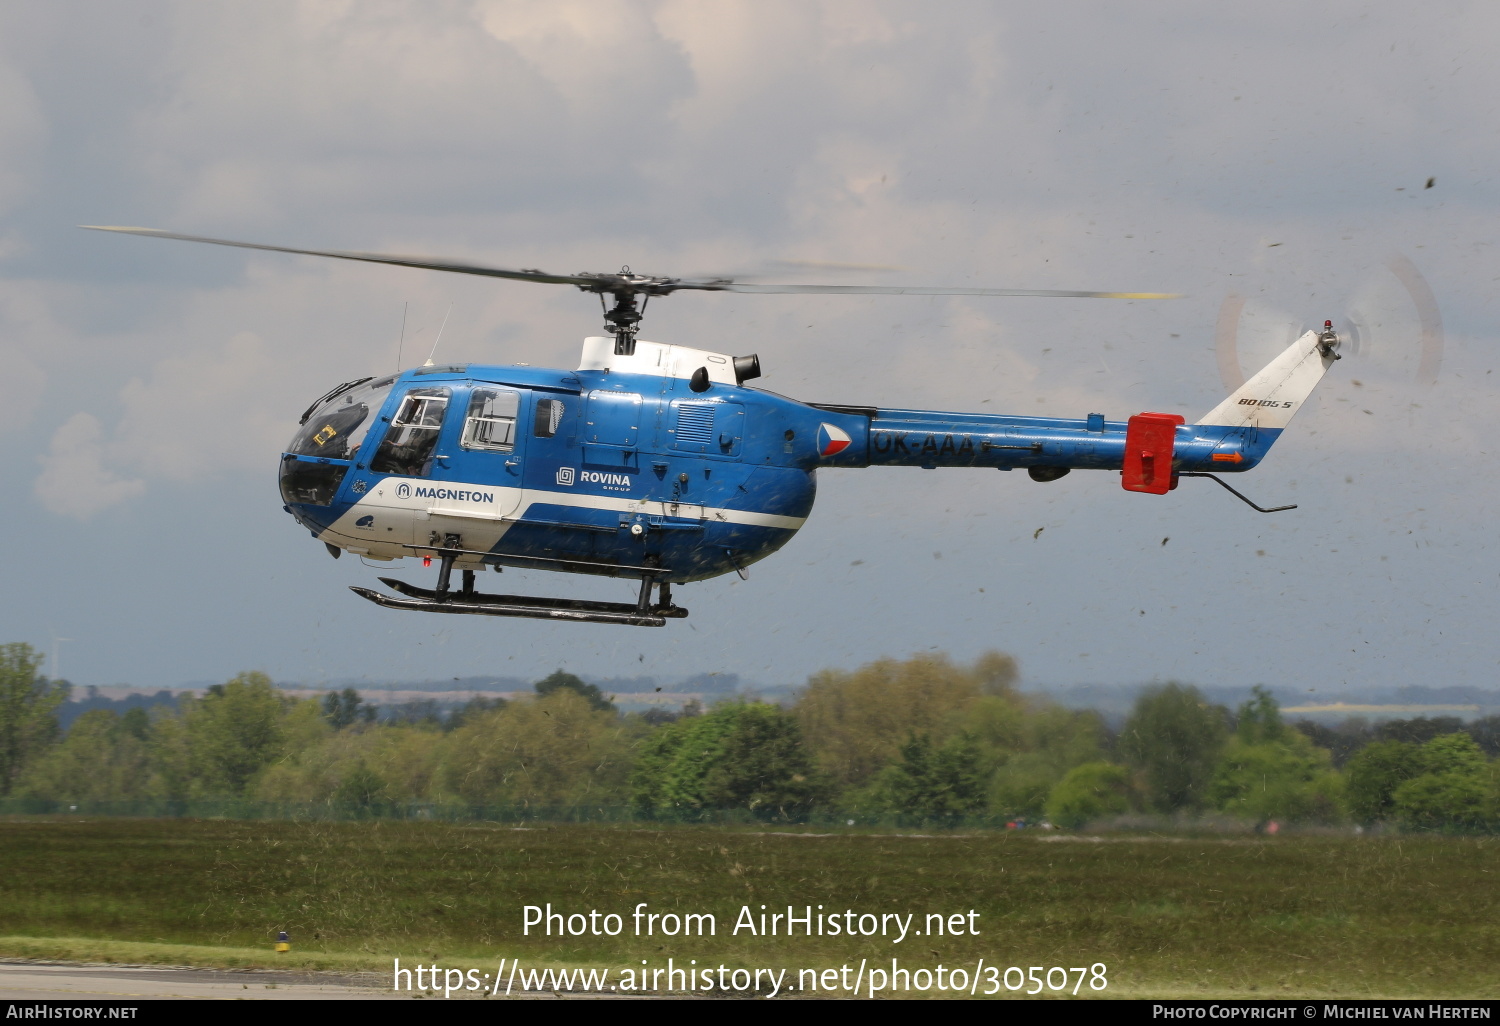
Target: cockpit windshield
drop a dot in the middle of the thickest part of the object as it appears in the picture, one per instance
(335, 426)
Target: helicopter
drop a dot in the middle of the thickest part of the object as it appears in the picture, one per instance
(656, 462)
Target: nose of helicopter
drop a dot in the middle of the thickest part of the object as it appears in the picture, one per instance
(323, 450)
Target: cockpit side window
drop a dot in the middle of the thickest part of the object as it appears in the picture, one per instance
(491, 423)
(409, 444)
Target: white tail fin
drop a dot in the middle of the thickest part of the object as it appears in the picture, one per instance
(1276, 393)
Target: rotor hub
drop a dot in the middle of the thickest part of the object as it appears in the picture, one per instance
(1328, 341)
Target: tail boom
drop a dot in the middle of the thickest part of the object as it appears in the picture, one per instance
(1151, 449)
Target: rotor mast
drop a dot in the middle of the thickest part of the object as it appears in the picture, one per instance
(623, 320)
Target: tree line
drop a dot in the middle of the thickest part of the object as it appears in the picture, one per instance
(922, 737)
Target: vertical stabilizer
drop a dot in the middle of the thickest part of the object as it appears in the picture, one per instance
(1274, 395)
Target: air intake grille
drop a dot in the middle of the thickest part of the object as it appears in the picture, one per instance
(695, 423)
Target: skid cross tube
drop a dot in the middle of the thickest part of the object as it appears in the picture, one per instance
(573, 565)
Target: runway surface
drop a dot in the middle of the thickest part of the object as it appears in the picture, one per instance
(74, 982)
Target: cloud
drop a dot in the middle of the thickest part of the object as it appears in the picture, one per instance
(27, 331)
(201, 414)
(74, 480)
(593, 54)
(22, 134)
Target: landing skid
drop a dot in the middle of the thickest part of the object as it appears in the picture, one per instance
(642, 613)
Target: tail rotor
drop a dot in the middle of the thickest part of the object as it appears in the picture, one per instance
(1390, 326)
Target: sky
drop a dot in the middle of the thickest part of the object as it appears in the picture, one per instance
(1278, 152)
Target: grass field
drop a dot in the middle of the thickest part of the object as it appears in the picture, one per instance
(1169, 916)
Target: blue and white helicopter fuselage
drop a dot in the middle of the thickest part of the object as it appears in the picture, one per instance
(661, 465)
(655, 462)
(613, 468)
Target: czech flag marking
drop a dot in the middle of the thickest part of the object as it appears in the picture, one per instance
(831, 440)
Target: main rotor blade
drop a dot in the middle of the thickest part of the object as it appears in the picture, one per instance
(627, 282)
(915, 290)
(426, 263)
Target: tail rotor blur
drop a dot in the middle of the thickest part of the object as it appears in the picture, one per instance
(1390, 326)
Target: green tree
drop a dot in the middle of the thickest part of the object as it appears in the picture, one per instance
(1453, 791)
(336, 766)
(136, 722)
(1444, 801)
(1453, 753)
(345, 708)
(474, 707)
(28, 703)
(1258, 721)
(171, 758)
(1030, 756)
(932, 780)
(1418, 730)
(1373, 775)
(422, 713)
(98, 760)
(744, 755)
(1089, 792)
(233, 733)
(997, 675)
(1284, 779)
(590, 693)
(361, 788)
(856, 723)
(1342, 741)
(1486, 733)
(1270, 771)
(1174, 737)
(556, 749)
